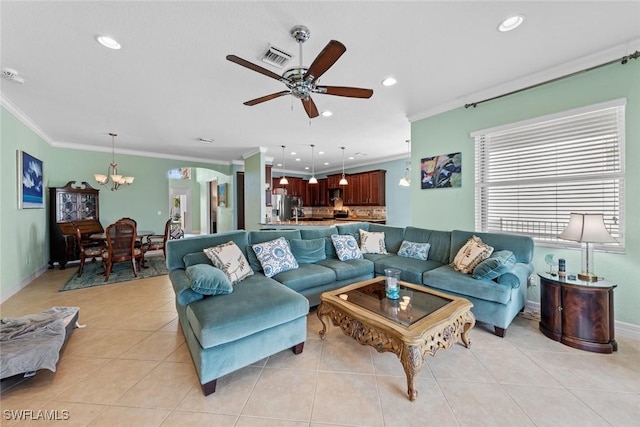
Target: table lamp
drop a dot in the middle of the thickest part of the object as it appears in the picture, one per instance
(587, 229)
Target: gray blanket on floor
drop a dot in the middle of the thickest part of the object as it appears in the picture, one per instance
(33, 342)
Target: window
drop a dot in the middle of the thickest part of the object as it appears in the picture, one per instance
(531, 175)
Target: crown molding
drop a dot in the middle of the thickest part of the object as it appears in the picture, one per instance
(569, 67)
(22, 117)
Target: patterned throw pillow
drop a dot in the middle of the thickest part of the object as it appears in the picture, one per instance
(414, 250)
(275, 256)
(346, 247)
(372, 242)
(229, 258)
(471, 254)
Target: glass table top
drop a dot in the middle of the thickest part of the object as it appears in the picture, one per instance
(412, 305)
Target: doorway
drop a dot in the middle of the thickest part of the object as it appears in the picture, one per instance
(213, 206)
(180, 208)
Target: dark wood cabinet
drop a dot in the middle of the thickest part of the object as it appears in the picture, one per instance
(71, 206)
(578, 314)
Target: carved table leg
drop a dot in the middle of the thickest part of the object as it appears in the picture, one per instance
(412, 363)
(321, 312)
(465, 332)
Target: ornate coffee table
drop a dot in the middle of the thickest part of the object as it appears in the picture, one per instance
(420, 323)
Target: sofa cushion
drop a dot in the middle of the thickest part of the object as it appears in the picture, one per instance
(256, 304)
(471, 254)
(196, 258)
(322, 232)
(208, 280)
(306, 276)
(345, 270)
(393, 236)
(496, 265)
(446, 279)
(440, 242)
(177, 249)
(275, 256)
(261, 236)
(372, 243)
(346, 247)
(414, 250)
(308, 251)
(229, 258)
(182, 287)
(412, 269)
(353, 229)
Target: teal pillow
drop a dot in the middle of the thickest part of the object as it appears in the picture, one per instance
(195, 258)
(208, 280)
(308, 251)
(496, 265)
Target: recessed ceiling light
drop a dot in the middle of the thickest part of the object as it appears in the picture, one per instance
(306, 168)
(327, 113)
(389, 81)
(297, 159)
(326, 163)
(351, 157)
(293, 153)
(511, 23)
(108, 42)
(320, 152)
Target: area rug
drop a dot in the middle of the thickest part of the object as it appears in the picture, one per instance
(121, 272)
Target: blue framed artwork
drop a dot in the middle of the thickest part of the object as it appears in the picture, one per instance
(30, 182)
(222, 195)
(444, 171)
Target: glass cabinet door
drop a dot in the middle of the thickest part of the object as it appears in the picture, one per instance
(67, 207)
(88, 206)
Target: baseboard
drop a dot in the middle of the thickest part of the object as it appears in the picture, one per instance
(23, 283)
(622, 328)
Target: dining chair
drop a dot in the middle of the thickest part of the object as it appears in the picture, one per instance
(158, 241)
(121, 238)
(138, 242)
(88, 249)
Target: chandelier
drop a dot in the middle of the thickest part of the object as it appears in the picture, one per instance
(112, 171)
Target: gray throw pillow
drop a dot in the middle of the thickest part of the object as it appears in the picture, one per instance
(496, 265)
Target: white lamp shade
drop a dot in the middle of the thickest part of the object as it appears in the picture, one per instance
(102, 179)
(343, 181)
(129, 179)
(284, 181)
(313, 180)
(404, 182)
(587, 228)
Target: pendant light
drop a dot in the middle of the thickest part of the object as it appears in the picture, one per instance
(284, 180)
(313, 179)
(405, 181)
(112, 171)
(343, 181)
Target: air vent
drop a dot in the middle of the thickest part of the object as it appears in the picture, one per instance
(276, 57)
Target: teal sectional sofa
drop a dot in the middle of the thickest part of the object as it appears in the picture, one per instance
(265, 315)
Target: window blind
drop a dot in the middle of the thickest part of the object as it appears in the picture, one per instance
(531, 175)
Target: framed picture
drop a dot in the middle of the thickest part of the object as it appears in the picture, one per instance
(30, 182)
(442, 171)
(222, 195)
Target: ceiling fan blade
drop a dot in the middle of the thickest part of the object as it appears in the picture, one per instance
(351, 92)
(267, 98)
(325, 59)
(253, 67)
(310, 107)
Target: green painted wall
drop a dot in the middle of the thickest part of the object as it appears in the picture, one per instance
(24, 235)
(254, 196)
(447, 209)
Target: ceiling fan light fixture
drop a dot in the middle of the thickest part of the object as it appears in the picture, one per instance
(511, 23)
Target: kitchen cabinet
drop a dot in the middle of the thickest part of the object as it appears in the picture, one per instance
(578, 314)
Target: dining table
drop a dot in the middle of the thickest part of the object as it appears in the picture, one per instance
(140, 235)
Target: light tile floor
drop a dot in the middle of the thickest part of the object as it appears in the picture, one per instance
(130, 366)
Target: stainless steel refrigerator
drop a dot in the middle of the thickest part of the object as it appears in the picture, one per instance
(281, 207)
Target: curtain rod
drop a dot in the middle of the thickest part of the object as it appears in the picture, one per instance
(622, 61)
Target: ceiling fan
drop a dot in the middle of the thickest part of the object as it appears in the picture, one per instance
(301, 81)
